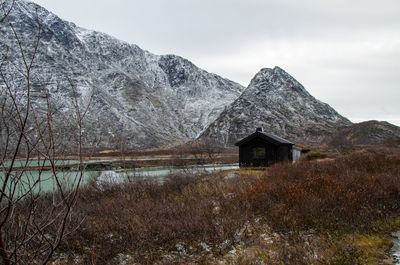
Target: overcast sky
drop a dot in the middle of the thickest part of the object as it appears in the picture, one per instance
(345, 53)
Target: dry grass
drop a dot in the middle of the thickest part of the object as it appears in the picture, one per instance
(313, 212)
(345, 193)
(149, 220)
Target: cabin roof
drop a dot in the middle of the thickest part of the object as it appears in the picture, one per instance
(266, 136)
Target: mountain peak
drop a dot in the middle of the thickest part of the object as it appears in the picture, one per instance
(274, 79)
(268, 73)
(275, 70)
(279, 103)
(150, 100)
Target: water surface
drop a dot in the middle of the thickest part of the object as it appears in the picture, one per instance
(46, 181)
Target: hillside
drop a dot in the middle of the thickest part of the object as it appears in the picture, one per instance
(139, 99)
(366, 133)
(277, 102)
(147, 99)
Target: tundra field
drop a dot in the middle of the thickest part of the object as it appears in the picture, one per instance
(339, 210)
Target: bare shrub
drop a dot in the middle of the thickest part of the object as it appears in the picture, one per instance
(347, 192)
(150, 219)
(198, 218)
(32, 223)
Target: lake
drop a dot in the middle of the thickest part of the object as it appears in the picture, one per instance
(46, 181)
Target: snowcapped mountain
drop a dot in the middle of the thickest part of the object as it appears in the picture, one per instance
(277, 102)
(148, 99)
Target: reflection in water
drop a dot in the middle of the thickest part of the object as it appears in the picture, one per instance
(44, 181)
(158, 173)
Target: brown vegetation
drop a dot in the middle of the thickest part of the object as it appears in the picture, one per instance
(345, 193)
(334, 211)
(32, 225)
(148, 220)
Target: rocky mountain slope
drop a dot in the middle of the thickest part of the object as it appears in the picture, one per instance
(275, 101)
(366, 133)
(147, 99)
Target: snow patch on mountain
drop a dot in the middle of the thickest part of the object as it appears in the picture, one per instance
(147, 99)
(277, 102)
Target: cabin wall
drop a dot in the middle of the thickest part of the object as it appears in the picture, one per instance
(284, 153)
(251, 154)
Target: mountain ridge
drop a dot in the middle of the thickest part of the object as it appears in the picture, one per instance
(148, 100)
(371, 132)
(277, 102)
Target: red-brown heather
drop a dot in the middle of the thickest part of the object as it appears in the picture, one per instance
(311, 208)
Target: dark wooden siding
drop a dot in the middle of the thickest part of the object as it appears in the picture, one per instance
(284, 153)
(250, 153)
(247, 155)
(263, 149)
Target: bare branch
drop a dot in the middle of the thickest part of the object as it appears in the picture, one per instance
(32, 225)
(6, 10)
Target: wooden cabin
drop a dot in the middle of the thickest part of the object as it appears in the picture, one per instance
(262, 149)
